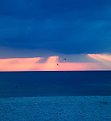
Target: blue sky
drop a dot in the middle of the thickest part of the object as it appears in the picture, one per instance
(60, 26)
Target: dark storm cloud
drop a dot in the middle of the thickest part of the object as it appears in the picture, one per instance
(66, 26)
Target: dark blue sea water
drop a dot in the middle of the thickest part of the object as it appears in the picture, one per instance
(52, 83)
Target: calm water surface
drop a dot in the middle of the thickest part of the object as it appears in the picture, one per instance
(52, 83)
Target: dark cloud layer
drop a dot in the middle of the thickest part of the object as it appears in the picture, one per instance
(64, 26)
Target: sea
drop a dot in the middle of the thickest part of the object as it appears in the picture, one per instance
(55, 96)
(55, 83)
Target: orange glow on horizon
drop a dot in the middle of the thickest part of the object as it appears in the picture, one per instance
(52, 64)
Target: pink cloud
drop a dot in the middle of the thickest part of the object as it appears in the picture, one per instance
(53, 64)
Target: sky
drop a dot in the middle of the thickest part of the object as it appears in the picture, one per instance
(77, 30)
